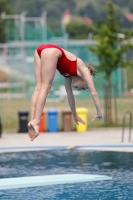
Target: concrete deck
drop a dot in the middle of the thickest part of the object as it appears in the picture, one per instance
(108, 139)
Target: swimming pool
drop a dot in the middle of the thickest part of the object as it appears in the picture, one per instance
(119, 165)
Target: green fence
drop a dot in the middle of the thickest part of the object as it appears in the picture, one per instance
(21, 62)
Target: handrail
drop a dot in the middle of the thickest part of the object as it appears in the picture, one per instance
(123, 125)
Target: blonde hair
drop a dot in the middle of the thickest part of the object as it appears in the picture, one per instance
(92, 70)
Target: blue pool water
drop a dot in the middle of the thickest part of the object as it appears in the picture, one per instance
(119, 165)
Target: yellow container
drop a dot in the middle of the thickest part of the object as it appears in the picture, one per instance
(82, 113)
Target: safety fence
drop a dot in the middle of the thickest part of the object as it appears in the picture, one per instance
(17, 62)
(23, 35)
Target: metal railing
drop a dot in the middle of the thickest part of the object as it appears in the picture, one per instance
(123, 125)
(0, 127)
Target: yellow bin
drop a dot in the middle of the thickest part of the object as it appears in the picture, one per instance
(82, 113)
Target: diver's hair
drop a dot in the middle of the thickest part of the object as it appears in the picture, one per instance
(92, 70)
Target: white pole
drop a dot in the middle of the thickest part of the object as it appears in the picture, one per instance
(22, 20)
(44, 26)
(22, 36)
(125, 81)
(119, 82)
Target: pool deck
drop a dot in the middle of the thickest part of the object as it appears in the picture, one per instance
(108, 139)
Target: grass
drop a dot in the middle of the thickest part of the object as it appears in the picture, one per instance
(9, 111)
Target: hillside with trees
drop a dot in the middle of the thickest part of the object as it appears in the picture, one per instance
(92, 9)
(85, 16)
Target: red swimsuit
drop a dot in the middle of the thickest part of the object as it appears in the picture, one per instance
(65, 66)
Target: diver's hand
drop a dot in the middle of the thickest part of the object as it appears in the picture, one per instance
(97, 117)
(77, 119)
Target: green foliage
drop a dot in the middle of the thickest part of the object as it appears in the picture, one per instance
(122, 3)
(130, 77)
(79, 30)
(54, 8)
(4, 6)
(2, 31)
(131, 7)
(110, 48)
(95, 11)
(92, 12)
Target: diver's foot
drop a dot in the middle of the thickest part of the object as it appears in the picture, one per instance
(33, 129)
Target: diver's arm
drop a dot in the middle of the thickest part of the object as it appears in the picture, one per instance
(71, 100)
(88, 78)
(70, 96)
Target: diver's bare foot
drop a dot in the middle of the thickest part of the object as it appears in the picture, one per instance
(30, 132)
(33, 128)
(34, 124)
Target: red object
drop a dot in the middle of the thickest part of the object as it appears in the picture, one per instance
(67, 11)
(66, 67)
(87, 20)
(42, 127)
(129, 16)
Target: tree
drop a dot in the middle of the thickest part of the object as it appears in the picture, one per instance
(54, 9)
(131, 7)
(110, 48)
(88, 11)
(92, 11)
(4, 6)
(79, 30)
